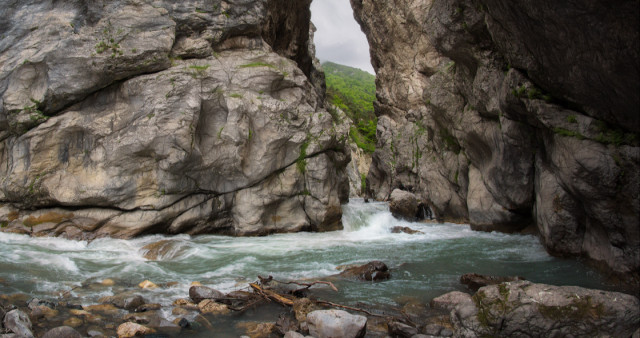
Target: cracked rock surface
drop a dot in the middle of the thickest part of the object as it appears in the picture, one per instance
(120, 118)
(505, 115)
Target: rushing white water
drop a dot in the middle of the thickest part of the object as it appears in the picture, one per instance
(423, 265)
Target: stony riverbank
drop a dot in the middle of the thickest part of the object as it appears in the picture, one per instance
(268, 308)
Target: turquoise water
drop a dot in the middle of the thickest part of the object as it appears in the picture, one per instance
(423, 265)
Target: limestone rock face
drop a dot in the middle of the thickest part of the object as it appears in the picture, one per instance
(506, 114)
(128, 117)
(545, 310)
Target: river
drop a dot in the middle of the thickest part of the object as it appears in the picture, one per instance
(423, 266)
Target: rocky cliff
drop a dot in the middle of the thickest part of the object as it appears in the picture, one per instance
(506, 114)
(120, 118)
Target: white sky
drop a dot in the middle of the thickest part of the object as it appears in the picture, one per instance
(339, 38)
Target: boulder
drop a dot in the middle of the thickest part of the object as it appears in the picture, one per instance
(403, 204)
(62, 332)
(125, 301)
(208, 306)
(541, 310)
(400, 229)
(19, 323)
(336, 323)
(129, 330)
(475, 281)
(73, 322)
(372, 271)
(199, 293)
(147, 284)
(398, 329)
(450, 300)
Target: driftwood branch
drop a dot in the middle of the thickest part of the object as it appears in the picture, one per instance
(306, 285)
(272, 295)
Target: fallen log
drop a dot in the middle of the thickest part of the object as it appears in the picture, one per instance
(271, 295)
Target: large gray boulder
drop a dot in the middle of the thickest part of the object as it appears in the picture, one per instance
(403, 204)
(19, 323)
(336, 323)
(62, 332)
(546, 311)
(197, 117)
(506, 114)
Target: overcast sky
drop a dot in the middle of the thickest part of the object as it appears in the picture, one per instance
(339, 38)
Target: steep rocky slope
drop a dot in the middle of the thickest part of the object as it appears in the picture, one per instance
(505, 114)
(127, 117)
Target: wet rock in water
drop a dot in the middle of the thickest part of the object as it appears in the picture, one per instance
(73, 322)
(546, 310)
(62, 332)
(406, 230)
(147, 284)
(372, 271)
(257, 330)
(199, 293)
(106, 309)
(285, 324)
(142, 318)
(18, 322)
(148, 307)
(433, 329)
(336, 323)
(293, 334)
(35, 302)
(182, 322)
(128, 330)
(95, 333)
(475, 281)
(108, 282)
(159, 250)
(41, 311)
(301, 308)
(124, 301)
(403, 205)
(397, 329)
(448, 301)
(183, 302)
(209, 306)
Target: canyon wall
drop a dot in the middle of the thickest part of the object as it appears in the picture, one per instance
(129, 117)
(508, 114)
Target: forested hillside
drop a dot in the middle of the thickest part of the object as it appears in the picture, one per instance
(354, 91)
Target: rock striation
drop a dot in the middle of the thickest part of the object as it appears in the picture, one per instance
(122, 118)
(506, 114)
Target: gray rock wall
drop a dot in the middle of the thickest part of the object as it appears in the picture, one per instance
(119, 118)
(505, 114)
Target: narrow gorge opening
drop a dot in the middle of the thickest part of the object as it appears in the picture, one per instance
(343, 50)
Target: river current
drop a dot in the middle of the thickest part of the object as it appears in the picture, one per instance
(423, 266)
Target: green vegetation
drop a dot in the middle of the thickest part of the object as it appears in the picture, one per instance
(353, 91)
(109, 41)
(568, 133)
(236, 96)
(579, 309)
(258, 64)
(301, 162)
(572, 119)
(202, 68)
